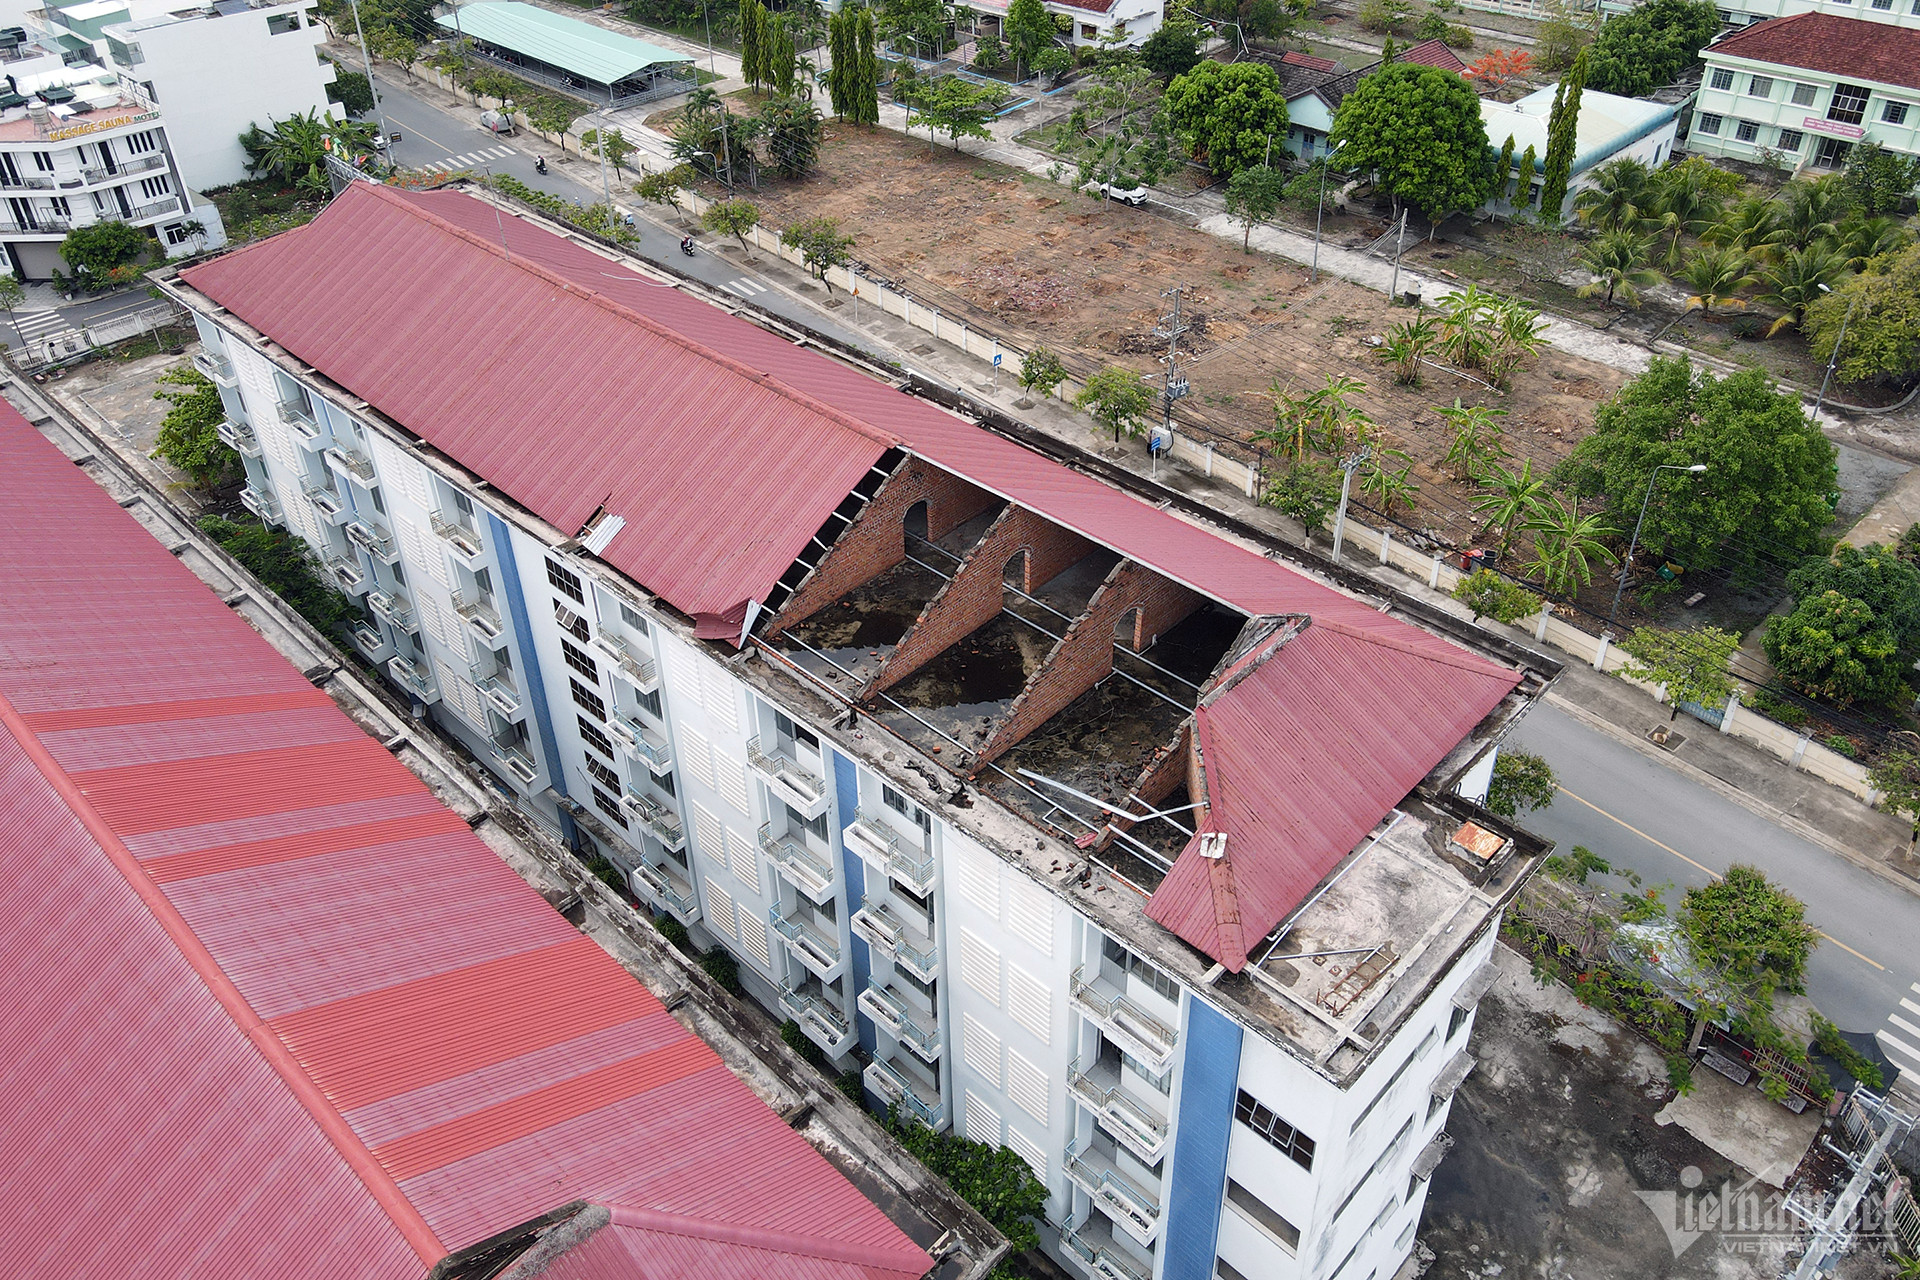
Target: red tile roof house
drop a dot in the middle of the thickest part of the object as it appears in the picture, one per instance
(1029, 787)
(273, 1009)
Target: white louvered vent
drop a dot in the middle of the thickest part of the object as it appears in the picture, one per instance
(710, 834)
(1030, 914)
(980, 966)
(753, 936)
(730, 780)
(1030, 1003)
(1027, 1086)
(983, 1122)
(1029, 1150)
(981, 1048)
(400, 471)
(460, 694)
(719, 909)
(744, 857)
(686, 670)
(717, 693)
(979, 879)
(695, 755)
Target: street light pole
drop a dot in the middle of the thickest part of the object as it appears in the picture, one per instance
(1320, 212)
(1626, 566)
(1348, 465)
(366, 59)
(1833, 358)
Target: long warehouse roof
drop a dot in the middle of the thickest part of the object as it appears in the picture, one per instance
(590, 52)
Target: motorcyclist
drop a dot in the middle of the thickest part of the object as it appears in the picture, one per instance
(686, 245)
(540, 164)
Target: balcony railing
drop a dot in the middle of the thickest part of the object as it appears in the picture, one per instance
(799, 785)
(518, 762)
(395, 608)
(638, 670)
(1129, 1120)
(352, 461)
(262, 504)
(299, 415)
(215, 365)
(1133, 1028)
(414, 678)
(239, 437)
(158, 209)
(890, 1011)
(820, 1019)
(663, 822)
(888, 934)
(640, 742)
(1114, 1191)
(662, 887)
(378, 542)
(810, 872)
(820, 954)
(347, 574)
(878, 843)
(140, 165)
(480, 614)
(500, 694)
(31, 183)
(892, 1084)
(1095, 1247)
(464, 542)
(371, 644)
(325, 501)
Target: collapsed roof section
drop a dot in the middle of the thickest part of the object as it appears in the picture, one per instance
(280, 1011)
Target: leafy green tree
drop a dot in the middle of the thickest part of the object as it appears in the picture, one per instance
(611, 141)
(1770, 468)
(1418, 130)
(11, 294)
(280, 562)
(920, 23)
(1896, 776)
(1305, 490)
(1876, 576)
(1041, 372)
(1386, 16)
(1028, 31)
(1716, 276)
(1883, 337)
(293, 149)
(1618, 260)
(665, 187)
(1691, 664)
(351, 89)
(843, 58)
(99, 252)
(866, 86)
(1225, 114)
(1566, 542)
(1508, 499)
(1795, 281)
(1253, 196)
(391, 45)
(822, 245)
(1522, 782)
(1118, 400)
(1560, 37)
(1647, 47)
(999, 1184)
(793, 131)
(1834, 647)
(1750, 930)
(956, 108)
(1561, 138)
(1878, 180)
(189, 434)
(1173, 50)
(750, 27)
(1052, 62)
(732, 218)
(1491, 596)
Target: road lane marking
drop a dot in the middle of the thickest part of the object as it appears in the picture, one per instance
(1909, 1005)
(1661, 844)
(1903, 1024)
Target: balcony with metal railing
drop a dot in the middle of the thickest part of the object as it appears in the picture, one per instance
(1093, 1244)
(818, 951)
(635, 667)
(889, 1082)
(331, 506)
(1130, 1026)
(414, 678)
(1126, 1118)
(462, 540)
(818, 1016)
(351, 461)
(1115, 1192)
(372, 645)
(346, 574)
(262, 504)
(894, 1014)
(888, 933)
(809, 872)
(479, 613)
(394, 608)
(517, 761)
(904, 858)
(158, 209)
(299, 415)
(139, 164)
(373, 538)
(800, 785)
(214, 365)
(500, 693)
(640, 742)
(664, 887)
(239, 437)
(663, 822)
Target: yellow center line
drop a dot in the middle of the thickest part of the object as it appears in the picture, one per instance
(1661, 844)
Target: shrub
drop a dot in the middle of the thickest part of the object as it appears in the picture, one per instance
(673, 932)
(851, 1087)
(189, 434)
(280, 561)
(797, 1040)
(1851, 1060)
(995, 1181)
(1749, 328)
(720, 965)
(1307, 491)
(1842, 744)
(1460, 36)
(607, 873)
(1790, 714)
(1491, 596)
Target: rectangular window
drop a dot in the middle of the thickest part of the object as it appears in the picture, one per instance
(607, 805)
(1457, 1021)
(1283, 1137)
(603, 775)
(1119, 957)
(1760, 87)
(579, 661)
(1894, 112)
(1223, 1270)
(1804, 94)
(178, 233)
(588, 700)
(784, 727)
(565, 580)
(649, 703)
(1707, 123)
(280, 24)
(1394, 1079)
(664, 781)
(570, 622)
(591, 735)
(1746, 131)
(155, 188)
(1433, 1107)
(633, 620)
(1849, 105)
(141, 143)
(796, 822)
(1162, 1083)
(1791, 140)
(1283, 1233)
(1722, 78)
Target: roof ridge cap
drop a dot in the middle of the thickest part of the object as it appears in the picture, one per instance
(737, 368)
(1449, 654)
(400, 1211)
(699, 1228)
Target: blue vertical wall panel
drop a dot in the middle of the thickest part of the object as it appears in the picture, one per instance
(846, 788)
(1208, 1081)
(502, 540)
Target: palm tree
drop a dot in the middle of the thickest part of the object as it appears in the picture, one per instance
(1406, 343)
(1864, 238)
(1615, 200)
(1809, 211)
(1618, 261)
(1329, 409)
(294, 150)
(1509, 499)
(1796, 279)
(1716, 275)
(1565, 544)
(1683, 205)
(1293, 420)
(1518, 332)
(1476, 442)
(702, 101)
(1748, 226)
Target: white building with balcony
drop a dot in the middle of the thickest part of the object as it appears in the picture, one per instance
(1072, 826)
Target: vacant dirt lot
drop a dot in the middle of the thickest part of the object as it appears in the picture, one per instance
(1024, 258)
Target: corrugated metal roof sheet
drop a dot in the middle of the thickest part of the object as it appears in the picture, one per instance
(593, 53)
(280, 1008)
(688, 1248)
(1292, 783)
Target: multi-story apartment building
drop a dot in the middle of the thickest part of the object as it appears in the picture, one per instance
(71, 156)
(1807, 88)
(1087, 829)
(1740, 13)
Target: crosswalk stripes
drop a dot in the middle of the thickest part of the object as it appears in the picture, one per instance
(746, 288)
(447, 164)
(1900, 1038)
(34, 324)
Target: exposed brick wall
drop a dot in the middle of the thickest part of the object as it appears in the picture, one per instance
(1084, 655)
(1171, 765)
(876, 540)
(974, 595)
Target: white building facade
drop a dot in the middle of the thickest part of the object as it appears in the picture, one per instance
(1181, 1133)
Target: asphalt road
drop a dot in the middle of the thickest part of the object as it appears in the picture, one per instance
(430, 134)
(38, 325)
(1637, 814)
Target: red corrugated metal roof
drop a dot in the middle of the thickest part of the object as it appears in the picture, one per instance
(1432, 53)
(692, 1248)
(1291, 783)
(1310, 62)
(278, 1011)
(1854, 48)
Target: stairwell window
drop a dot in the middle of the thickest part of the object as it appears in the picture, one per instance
(1262, 1215)
(1283, 1137)
(593, 737)
(588, 700)
(577, 659)
(609, 808)
(1849, 105)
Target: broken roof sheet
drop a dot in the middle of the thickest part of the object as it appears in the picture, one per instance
(277, 1007)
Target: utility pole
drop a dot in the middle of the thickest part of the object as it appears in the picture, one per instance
(1176, 386)
(606, 188)
(366, 60)
(1348, 465)
(1833, 357)
(1399, 245)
